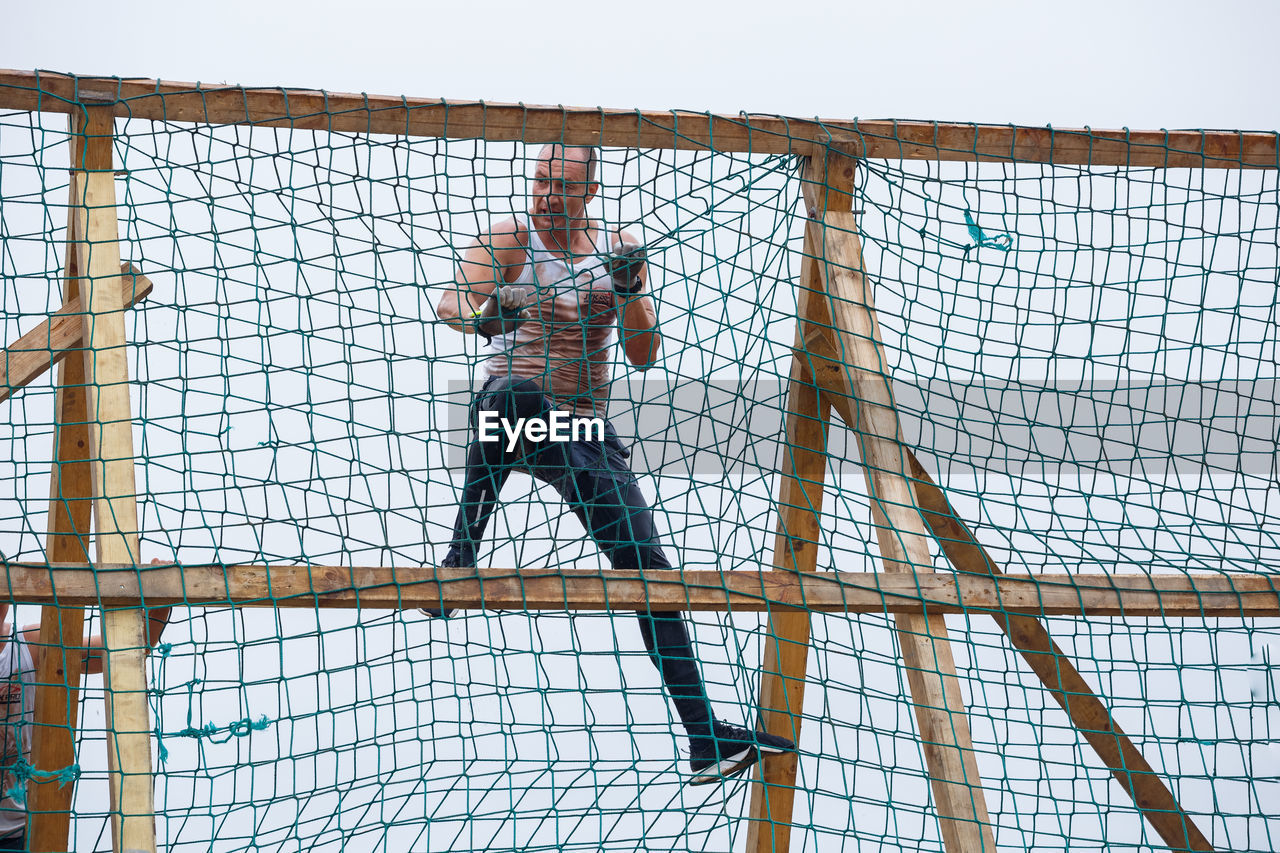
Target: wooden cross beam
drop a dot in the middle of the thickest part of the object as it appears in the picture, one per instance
(50, 342)
(1235, 595)
(363, 113)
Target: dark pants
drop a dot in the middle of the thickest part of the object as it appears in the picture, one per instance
(14, 842)
(596, 482)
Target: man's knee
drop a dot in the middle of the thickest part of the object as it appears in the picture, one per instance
(636, 556)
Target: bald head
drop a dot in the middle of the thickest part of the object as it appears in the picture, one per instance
(575, 157)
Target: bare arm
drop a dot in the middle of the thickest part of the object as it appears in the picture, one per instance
(94, 653)
(491, 259)
(641, 340)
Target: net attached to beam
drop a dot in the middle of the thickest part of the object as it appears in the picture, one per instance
(1084, 358)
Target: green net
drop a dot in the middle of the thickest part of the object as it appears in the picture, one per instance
(1083, 357)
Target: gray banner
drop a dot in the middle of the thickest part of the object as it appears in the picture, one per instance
(711, 429)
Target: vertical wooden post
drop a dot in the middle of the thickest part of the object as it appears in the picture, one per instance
(60, 661)
(900, 529)
(804, 469)
(115, 494)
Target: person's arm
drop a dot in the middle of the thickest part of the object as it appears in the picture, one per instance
(94, 653)
(641, 340)
(490, 261)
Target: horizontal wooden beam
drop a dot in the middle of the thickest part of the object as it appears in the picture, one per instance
(1131, 595)
(48, 343)
(307, 109)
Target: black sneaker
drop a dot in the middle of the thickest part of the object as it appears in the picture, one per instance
(450, 561)
(729, 751)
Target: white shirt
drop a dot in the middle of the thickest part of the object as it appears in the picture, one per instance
(565, 346)
(17, 713)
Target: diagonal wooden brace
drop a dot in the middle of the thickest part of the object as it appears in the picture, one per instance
(1027, 634)
(50, 342)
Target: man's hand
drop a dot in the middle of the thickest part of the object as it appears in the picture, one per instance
(625, 265)
(512, 300)
(507, 306)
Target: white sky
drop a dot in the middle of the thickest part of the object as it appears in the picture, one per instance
(1105, 64)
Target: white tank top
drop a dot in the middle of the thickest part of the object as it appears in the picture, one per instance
(18, 710)
(565, 346)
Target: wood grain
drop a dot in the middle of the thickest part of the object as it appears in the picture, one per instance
(59, 664)
(1182, 596)
(308, 109)
(49, 342)
(900, 530)
(115, 494)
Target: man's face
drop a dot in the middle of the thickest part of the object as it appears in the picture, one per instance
(560, 187)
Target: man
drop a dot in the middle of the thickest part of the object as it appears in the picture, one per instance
(546, 290)
(19, 661)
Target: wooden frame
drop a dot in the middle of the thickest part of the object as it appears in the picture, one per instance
(837, 366)
(900, 530)
(1029, 636)
(308, 109)
(800, 496)
(862, 397)
(93, 237)
(1173, 596)
(70, 515)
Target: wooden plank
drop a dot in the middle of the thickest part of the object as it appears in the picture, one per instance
(800, 492)
(115, 494)
(900, 530)
(1234, 595)
(308, 109)
(1065, 683)
(58, 672)
(47, 344)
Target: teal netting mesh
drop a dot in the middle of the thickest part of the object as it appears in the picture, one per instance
(1085, 359)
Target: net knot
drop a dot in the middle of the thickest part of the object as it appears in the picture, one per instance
(982, 240)
(23, 772)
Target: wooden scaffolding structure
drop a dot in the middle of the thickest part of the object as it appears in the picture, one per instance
(838, 364)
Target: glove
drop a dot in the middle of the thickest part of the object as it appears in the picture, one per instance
(504, 310)
(624, 268)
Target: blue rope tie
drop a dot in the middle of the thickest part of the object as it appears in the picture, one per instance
(23, 772)
(1003, 242)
